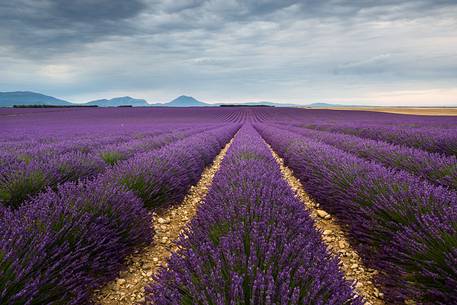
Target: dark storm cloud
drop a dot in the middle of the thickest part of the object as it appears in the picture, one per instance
(47, 25)
(55, 23)
(100, 10)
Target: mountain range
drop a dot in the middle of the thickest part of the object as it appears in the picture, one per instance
(25, 98)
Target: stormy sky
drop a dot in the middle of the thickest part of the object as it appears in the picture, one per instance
(388, 52)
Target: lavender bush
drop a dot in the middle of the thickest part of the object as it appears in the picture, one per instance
(426, 250)
(20, 180)
(163, 176)
(57, 247)
(251, 242)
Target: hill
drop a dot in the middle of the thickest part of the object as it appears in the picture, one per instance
(119, 101)
(23, 98)
(185, 101)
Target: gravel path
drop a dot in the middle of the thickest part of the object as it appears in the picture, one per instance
(128, 288)
(336, 241)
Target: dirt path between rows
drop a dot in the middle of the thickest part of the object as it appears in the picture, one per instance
(128, 288)
(336, 241)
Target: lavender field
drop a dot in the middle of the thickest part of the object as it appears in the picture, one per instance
(227, 205)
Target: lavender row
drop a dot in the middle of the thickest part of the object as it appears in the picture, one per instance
(47, 149)
(442, 141)
(251, 242)
(58, 247)
(163, 176)
(20, 179)
(23, 139)
(96, 148)
(401, 225)
(437, 168)
(114, 153)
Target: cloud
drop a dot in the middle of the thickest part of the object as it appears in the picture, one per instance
(228, 49)
(50, 26)
(377, 64)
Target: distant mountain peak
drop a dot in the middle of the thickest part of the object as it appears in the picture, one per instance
(185, 101)
(8, 99)
(184, 97)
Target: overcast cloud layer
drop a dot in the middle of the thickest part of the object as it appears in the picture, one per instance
(397, 52)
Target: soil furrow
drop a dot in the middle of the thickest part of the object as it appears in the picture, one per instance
(128, 288)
